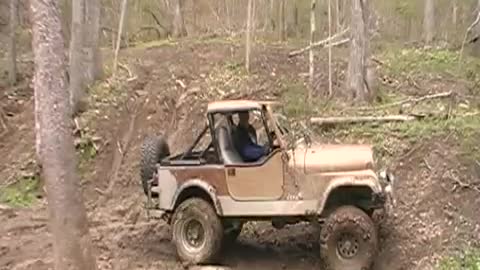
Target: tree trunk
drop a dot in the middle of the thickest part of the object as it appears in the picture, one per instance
(357, 84)
(272, 15)
(248, 40)
(119, 35)
(77, 58)
(338, 25)
(67, 216)
(282, 30)
(429, 21)
(179, 29)
(12, 71)
(228, 14)
(454, 13)
(94, 63)
(476, 32)
(311, 56)
(330, 91)
(295, 19)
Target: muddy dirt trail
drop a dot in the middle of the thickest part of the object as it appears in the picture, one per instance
(171, 87)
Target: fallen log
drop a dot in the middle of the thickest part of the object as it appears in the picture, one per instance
(408, 100)
(320, 43)
(361, 119)
(337, 43)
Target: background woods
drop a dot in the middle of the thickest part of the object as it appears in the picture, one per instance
(403, 76)
(91, 25)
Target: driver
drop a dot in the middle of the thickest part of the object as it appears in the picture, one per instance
(248, 150)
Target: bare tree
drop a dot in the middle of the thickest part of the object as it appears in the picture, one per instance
(68, 221)
(272, 15)
(311, 56)
(429, 21)
(119, 35)
(330, 48)
(94, 63)
(337, 16)
(12, 71)
(179, 29)
(248, 39)
(295, 18)
(77, 75)
(454, 13)
(357, 82)
(282, 29)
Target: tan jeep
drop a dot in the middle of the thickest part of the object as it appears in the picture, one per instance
(208, 192)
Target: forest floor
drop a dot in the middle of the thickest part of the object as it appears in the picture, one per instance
(163, 87)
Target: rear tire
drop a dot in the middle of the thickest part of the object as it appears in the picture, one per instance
(348, 240)
(153, 150)
(197, 232)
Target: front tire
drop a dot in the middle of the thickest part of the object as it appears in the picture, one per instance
(348, 240)
(197, 232)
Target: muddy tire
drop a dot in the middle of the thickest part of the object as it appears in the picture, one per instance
(348, 240)
(197, 232)
(152, 150)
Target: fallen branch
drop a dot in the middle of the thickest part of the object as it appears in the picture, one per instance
(409, 100)
(157, 20)
(125, 67)
(338, 43)
(320, 43)
(462, 184)
(361, 119)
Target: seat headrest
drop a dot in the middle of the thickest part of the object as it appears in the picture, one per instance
(227, 149)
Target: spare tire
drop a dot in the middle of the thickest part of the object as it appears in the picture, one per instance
(153, 150)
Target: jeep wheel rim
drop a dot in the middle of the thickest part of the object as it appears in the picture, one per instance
(347, 246)
(193, 235)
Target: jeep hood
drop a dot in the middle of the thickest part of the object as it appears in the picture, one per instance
(332, 158)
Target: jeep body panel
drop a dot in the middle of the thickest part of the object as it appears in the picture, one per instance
(279, 191)
(261, 181)
(325, 158)
(176, 179)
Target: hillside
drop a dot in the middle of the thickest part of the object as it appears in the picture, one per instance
(164, 88)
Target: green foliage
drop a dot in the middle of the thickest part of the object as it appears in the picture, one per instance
(435, 61)
(232, 65)
(86, 148)
(295, 103)
(23, 193)
(467, 260)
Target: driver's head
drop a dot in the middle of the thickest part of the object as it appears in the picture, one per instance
(243, 118)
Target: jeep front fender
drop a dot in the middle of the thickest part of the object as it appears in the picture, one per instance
(367, 182)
